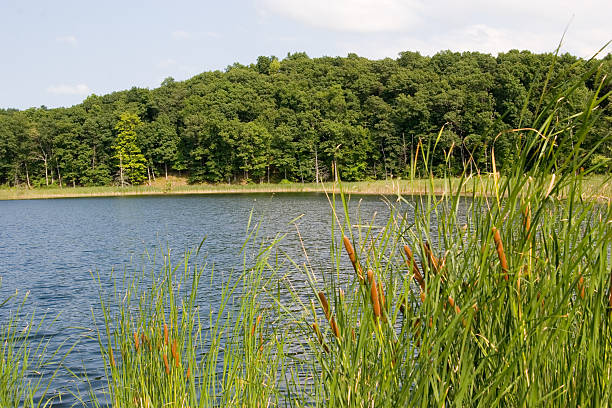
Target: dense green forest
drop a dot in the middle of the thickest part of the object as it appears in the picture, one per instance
(297, 119)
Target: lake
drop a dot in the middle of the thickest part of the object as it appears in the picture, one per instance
(50, 248)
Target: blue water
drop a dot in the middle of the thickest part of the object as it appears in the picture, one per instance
(50, 248)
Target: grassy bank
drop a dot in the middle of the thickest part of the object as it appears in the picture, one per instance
(599, 187)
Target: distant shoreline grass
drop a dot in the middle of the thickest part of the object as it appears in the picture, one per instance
(599, 187)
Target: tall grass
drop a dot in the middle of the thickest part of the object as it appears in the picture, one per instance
(161, 347)
(502, 298)
(27, 365)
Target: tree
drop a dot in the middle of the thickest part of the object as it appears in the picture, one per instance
(132, 163)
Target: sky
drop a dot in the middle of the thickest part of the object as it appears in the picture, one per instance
(57, 52)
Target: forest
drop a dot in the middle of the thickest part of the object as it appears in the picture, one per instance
(301, 119)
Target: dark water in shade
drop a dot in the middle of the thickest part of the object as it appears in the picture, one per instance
(50, 248)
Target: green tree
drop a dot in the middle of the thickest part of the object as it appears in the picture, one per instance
(132, 163)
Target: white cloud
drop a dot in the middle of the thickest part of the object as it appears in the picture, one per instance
(364, 16)
(67, 39)
(64, 89)
(378, 28)
(180, 35)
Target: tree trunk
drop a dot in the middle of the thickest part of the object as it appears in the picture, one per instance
(300, 166)
(27, 175)
(121, 169)
(404, 149)
(149, 174)
(384, 159)
(166, 168)
(59, 175)
(46, 170)
(316, 166)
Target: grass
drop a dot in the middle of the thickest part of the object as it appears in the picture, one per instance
(27, 365)
(597, 186)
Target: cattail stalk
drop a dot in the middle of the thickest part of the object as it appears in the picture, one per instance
(500, 252)
(610, 293)
(351, 253)
(315, 327)
(165, 334)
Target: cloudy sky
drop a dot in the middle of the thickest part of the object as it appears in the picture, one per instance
(55, 53)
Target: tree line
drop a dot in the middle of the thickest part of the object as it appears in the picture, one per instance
(298, 119)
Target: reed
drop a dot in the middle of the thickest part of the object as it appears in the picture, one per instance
(182, 364)
(457, 334)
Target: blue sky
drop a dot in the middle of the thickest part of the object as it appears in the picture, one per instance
(56, 52)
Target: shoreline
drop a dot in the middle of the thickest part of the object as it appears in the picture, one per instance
(597, 187)
(380, 187)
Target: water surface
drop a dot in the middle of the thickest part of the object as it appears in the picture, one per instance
(50, 248)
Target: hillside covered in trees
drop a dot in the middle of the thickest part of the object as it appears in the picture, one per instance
(296, 119)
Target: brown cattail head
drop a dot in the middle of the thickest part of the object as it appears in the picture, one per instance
(188, 372)
(374, 294)
(315, 328)
(175, 355)
(451, 301)
(334, 327)
(136, 340)
(527, 220)
(415, 269)
(351, 253)
(500, 252)
(433, 261)
(422, 297)
(581, 287)
(255, 324)
(330, 318)
(165, 334)
(110, 356)
(381, 295)
(418, 276)
(324, 304)
(166, 365)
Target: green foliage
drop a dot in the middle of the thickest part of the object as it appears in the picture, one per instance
(300, 118)
(132, 163)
